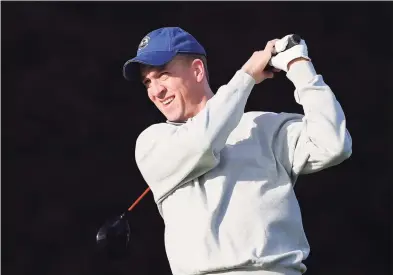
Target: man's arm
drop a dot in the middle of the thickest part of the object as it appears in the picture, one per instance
(319, 139)
(169, 155)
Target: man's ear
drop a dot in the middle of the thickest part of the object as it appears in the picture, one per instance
(198, 69)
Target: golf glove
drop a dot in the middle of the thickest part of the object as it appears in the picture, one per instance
(283, 57)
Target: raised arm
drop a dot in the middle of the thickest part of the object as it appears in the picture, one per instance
(168, 155)
(319, 139)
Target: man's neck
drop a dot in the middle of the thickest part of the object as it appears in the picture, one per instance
(200, 106)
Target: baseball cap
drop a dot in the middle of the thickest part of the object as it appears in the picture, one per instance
(159, 47)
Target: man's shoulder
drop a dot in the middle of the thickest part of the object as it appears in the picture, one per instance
(256, 114)
(269, 121)
(150, 135)
(270, 116)
(157, 129)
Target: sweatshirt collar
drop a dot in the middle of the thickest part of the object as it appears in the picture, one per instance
(177, 123)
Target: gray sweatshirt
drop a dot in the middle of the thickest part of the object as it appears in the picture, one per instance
(223, 181)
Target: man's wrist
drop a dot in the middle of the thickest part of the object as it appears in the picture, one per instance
(248, 71)
(301, 73)
(296, 60)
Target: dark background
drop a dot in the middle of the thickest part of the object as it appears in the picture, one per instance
(70, 121)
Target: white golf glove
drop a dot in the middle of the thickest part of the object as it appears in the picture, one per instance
(283, 57)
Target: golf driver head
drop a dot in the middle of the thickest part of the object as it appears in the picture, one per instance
(114, 236)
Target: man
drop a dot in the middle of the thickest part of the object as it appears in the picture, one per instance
(223, 179)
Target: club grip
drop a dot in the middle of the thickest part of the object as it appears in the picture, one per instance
(293, 40)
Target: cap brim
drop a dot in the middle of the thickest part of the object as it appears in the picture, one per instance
(131, 67)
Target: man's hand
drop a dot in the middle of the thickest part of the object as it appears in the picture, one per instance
(258, 61)
(285, 58)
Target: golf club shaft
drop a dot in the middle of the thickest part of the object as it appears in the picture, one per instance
(139, 199)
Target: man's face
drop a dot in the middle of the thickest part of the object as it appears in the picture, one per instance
(172, 89)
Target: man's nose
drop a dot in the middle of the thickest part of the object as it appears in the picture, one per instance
(158, 90)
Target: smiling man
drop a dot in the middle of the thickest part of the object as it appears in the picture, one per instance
(179, 99)
(223, 179)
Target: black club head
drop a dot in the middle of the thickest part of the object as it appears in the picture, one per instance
(114, 236)
(296, 38)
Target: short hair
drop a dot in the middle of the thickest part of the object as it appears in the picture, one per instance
(188, 58)
(191, 57)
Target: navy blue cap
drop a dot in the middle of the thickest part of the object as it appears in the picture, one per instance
(159, 47)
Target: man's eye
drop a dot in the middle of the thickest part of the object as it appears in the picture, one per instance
(147, 84)
(164, 75)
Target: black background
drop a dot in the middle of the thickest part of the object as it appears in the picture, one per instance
(70, 121)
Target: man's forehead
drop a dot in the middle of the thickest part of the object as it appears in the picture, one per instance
(146, 69)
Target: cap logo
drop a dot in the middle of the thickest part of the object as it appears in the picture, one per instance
(143, 43)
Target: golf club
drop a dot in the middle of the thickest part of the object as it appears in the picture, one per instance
(114, 236)
(293, 40)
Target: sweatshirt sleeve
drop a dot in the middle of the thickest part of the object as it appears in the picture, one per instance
(169, 155)
(319, 139)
